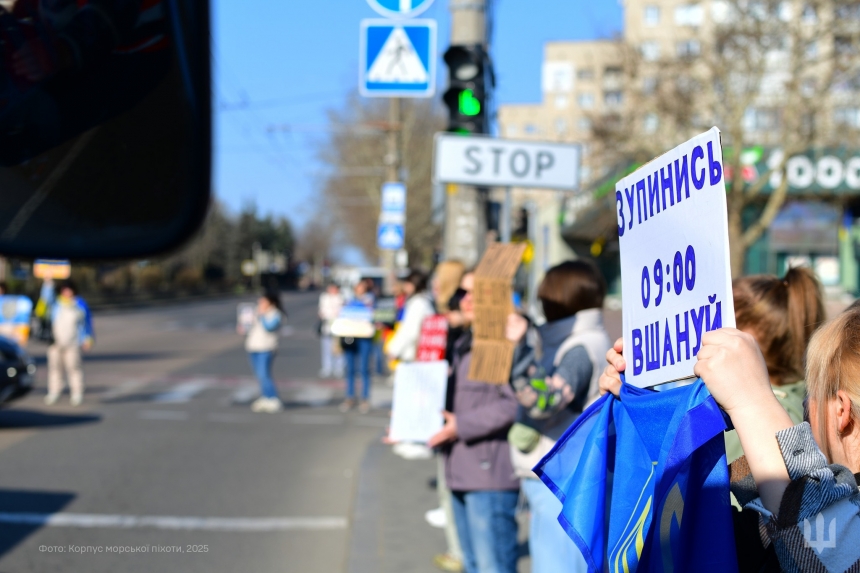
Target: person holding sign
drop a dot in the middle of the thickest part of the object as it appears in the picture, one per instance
(478, 466)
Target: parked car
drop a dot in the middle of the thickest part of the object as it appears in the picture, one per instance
(17, 371)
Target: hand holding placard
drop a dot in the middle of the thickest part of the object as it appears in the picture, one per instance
(675, 268)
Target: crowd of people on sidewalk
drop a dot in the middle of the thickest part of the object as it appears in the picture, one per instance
(790, 386)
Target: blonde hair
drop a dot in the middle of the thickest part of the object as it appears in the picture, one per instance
(833, 364)
(446, 281)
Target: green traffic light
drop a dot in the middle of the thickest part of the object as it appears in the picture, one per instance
(469, 104)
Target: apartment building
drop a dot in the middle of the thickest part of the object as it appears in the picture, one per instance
(584, 82)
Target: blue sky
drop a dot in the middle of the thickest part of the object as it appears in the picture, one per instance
(285, 62)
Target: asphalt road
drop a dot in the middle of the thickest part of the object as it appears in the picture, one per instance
(165, 468)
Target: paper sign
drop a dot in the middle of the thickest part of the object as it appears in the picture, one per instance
(492, 353)
(52, 269)
(433, 340)
(15, 313)
(676, 279)
(418, 400)
(245, 313)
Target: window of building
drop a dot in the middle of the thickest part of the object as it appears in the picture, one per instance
(512, 131)
(585, 100)
(652, 16)
(531, 128)
(688, 48)
(650, 51)
(561, 102)
(649, 85)
(560, 126)
(847, 116)
(650, 123)
(583, 124)
(689, 15)
(844, 46)
(585, 74)
(847, 11)
(613, 98)
(720, 11)
(757, 119)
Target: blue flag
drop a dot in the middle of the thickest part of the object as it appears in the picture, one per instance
(644, 483)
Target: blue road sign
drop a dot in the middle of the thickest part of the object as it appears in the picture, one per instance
(390, 236)
(400, 8)
(397, 59)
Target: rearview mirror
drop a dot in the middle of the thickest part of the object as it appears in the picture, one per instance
(104, 126)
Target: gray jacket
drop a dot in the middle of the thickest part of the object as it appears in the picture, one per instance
(480, 459)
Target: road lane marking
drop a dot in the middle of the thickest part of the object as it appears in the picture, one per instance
(92, 520)
(244, 394)
(162, 415)
(183, 392)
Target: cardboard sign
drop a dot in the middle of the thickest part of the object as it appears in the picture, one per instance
(433, 340)
(418, 400)
(15, 313)
(492, 353)
(52, 269)
(676, 279)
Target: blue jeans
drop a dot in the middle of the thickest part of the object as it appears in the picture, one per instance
(261, 363)
(487, 529)
(550, 548)
(360, 350)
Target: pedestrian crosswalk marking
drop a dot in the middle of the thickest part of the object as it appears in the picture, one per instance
(183, 392)
(91, 520)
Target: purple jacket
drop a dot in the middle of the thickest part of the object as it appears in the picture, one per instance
(480, 459)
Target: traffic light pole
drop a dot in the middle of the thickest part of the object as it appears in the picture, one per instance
(465, 209)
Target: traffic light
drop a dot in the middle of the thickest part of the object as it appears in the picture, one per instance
(466, 96)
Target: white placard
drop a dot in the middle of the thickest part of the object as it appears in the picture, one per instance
(676, 280)
(245, 313)
(477, 160)
(418, 401)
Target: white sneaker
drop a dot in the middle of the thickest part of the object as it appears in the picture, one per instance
(76, 400)
(271, 406)
(51, 399)
(259, 404)
(275, 405)
(436, 518)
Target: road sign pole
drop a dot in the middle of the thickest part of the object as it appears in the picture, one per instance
(392, 161)
(464, 240)
(505, 223)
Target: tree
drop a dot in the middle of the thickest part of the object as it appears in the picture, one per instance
(355, 156)
(766, 72)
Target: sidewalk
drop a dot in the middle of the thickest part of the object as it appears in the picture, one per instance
(389, 533)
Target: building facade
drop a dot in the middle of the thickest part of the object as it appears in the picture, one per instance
(590, 87)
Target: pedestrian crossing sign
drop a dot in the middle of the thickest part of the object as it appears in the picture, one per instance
(390, 236)
(397, 59)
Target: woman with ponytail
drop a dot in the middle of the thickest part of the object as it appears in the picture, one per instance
(781, 314)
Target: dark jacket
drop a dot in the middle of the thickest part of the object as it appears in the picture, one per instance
(480, 459)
